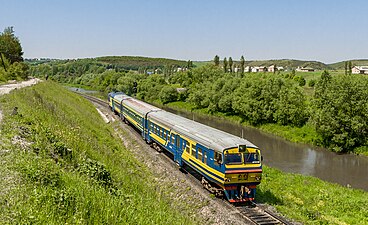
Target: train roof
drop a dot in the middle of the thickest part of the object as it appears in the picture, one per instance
(210, 137)
(138, 106)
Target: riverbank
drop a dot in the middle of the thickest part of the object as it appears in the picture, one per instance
(304, 135)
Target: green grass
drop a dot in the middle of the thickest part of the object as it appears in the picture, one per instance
(61, 164)
(311, 200)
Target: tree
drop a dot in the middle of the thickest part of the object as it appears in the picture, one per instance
(340, 112)
(349, 67)
(189, 64)
(168, 94)
(10, 45)
(346, 67)
(242, 63)
(230, 64)
(216, 60)
(225, 65)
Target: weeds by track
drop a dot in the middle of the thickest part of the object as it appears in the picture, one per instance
(251, 213)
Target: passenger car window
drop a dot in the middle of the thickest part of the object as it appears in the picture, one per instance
(199, 154)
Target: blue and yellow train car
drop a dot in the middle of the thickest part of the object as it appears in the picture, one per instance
(228, 165)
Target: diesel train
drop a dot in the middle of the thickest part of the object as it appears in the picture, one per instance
(229, 166)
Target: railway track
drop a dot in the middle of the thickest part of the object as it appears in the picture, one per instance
(260, 216)
(95, 100)
(252, 213)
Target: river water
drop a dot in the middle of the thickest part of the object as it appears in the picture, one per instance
(347, 170)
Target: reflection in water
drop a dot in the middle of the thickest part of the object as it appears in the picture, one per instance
(296, 158)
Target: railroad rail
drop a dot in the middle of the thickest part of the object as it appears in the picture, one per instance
(95, 99)
(252, 213)
(260, 216)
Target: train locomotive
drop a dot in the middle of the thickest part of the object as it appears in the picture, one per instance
(229, 166)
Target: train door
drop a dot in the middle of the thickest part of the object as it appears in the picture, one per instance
(179, 150)
(216, 160)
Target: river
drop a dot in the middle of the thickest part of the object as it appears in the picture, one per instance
(345, 169)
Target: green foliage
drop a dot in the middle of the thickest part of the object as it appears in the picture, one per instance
(11, 65)
(225, 65)
(10, 45)
(301, 81)
(311, 83)
(168, 94)
(242, 63)
(216, 60)
(230, 64)
(341, 111)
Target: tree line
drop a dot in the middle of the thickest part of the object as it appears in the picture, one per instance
(12, 66)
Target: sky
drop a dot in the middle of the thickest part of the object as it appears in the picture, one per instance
(322, 30)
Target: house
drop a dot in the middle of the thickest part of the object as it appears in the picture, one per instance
(254, 69)
(360, 70)
(262, 69)
(305, 69)
(272, 68)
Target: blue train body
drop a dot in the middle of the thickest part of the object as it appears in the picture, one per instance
(229, 165)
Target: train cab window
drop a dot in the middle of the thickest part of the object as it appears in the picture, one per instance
(218, 158)
(233, 158)
(200, 154)
(205, 157)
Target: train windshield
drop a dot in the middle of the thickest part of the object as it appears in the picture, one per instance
(233, 158)
(251, 158)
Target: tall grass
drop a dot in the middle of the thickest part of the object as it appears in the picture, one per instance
(69, 167)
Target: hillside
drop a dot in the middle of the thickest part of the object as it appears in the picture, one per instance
(117, 62)
(136, 62)
(286, 63)
(354, 62)
(61, 164)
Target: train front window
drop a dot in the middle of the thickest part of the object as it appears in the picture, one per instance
(251, 158)
(233, 158)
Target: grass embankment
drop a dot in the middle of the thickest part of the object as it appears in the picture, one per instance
(61, 164)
